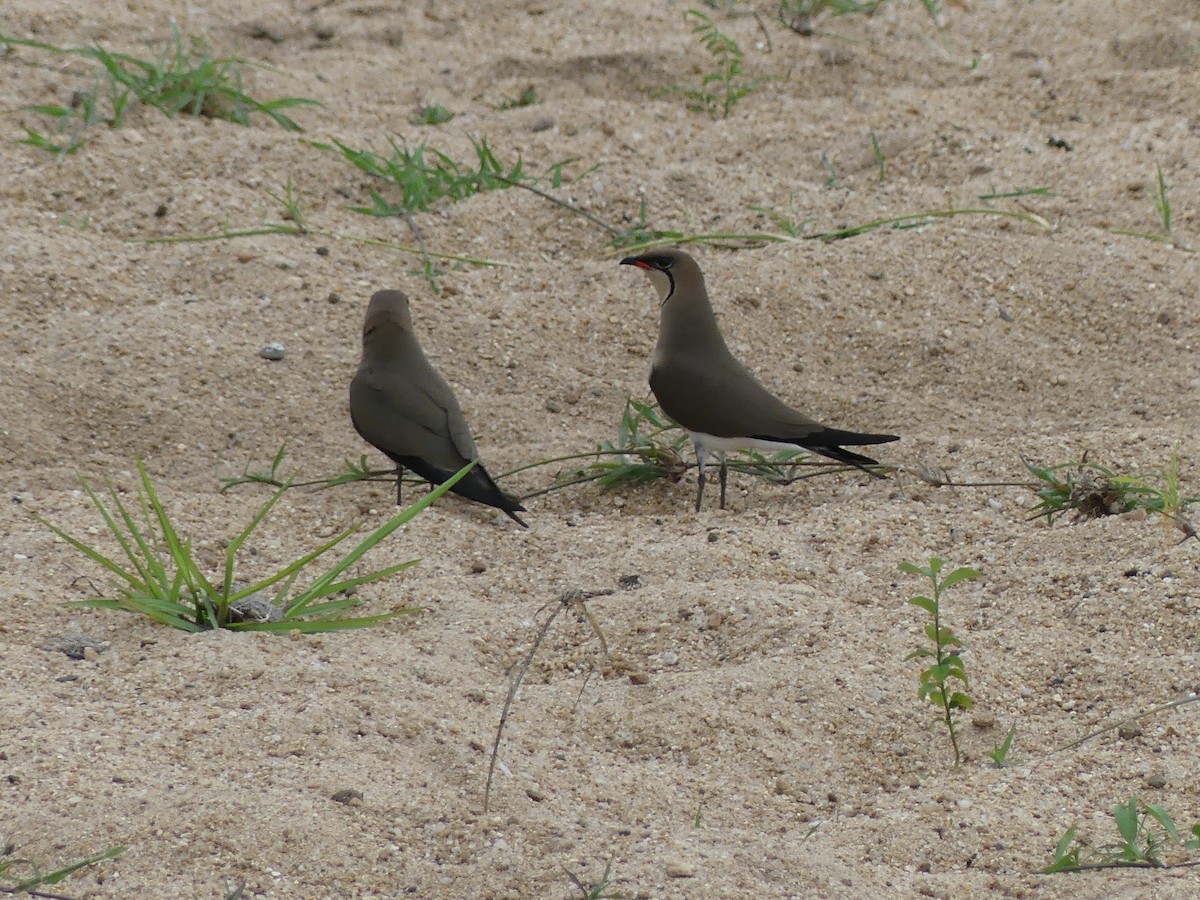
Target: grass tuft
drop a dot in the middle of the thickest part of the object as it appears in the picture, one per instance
(184, 79)
(421, 176)
(1089, 490)
(434, 114)
(161, 578)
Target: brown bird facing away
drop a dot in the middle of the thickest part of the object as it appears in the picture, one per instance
(703, 387)
(401, 406)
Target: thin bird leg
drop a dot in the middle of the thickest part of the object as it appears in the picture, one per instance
(724, 477)
(399, 482)
(700, 455)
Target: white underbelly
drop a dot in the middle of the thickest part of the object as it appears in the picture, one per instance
(707, 443)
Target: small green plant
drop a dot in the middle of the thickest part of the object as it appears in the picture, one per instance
(649, 446)
(880, 162)
(999, 753)
(935, 683)
(12, 883)
(1090, 490)
(290, 201)
(527, 97)
(434, 114)
(186, 78)
(833, 179)
(1162, 202)
(161, 578)
(600, 890)
(790, 223)
(424, 175)
(1166, 215)
(1145, 829)
(798, 15)
(721, 89)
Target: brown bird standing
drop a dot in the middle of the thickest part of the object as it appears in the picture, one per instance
(703, 387)
(404, 408)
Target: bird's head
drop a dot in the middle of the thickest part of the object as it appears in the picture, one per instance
(668, 268)
(387, 313)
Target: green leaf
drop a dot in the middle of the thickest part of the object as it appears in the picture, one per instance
(321, 626)
(1164, 819)
(924, 603)
(1194, 844)
(318, 587)
(1066, 855)
(959, 700)
(59, 875)
(1126, 815)
(962, 573)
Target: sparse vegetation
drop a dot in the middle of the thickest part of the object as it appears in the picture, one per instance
(295, 223)
(1090, 490)
(599, 890)
(1000, 752)
(721, 89)
(1146, 832)
(1163, 208)
(572, 599)
(423, 176)
(23, 876)
(185, 79)
(527, 97)
(161, 577)
(799, 15)
(434, 114)
(935, 682)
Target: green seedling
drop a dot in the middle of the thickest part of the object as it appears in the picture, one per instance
(527, 97)
(880, 162)
(721, 89)
(1000, 752)
(833, 179)
(161, 578)
(1018, 192)
(648, 446)
(1166, 216)
(936, 682)
(294, 223)
(423, 176)
(434, 114)
(600, 890)
(33, 878)
(790, 223)
(185, 79)
(1090, 490)
(1146, 830)
(290, 201)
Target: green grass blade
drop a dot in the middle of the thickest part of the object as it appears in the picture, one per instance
(320, 626)
(317, 588)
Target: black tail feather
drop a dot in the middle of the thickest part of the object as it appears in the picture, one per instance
(828, 443)
(476, 485)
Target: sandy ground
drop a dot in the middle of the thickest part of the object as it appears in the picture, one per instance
(754, 730)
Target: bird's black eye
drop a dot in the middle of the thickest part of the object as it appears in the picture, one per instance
(662, 262)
